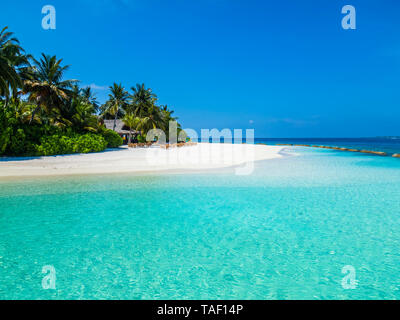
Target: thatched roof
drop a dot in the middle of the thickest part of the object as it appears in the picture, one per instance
(119, 126)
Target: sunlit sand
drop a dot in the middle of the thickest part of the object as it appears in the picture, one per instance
(202, 156)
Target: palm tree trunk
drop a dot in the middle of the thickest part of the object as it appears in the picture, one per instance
(115, 119)
(130, 137)
(33, 113)
(6, 102)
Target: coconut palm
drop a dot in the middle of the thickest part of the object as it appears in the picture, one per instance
(167, 116)
(89, 97)
(84, 118)
(142, 100)
(13, 61)
(117, 101)
(63, 116)
(152, 120)
(133, 123)
(46, 87)
(22, 111)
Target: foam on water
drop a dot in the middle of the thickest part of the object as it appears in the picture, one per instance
(284, 232)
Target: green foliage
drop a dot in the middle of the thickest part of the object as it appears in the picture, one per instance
(112, 138)
(141, 138)
(117, 102)
(89, 143)
(17, 141)
(62, 144)
(22, 139)
(12, 63)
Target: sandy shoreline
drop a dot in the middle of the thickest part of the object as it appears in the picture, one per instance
(203, 156)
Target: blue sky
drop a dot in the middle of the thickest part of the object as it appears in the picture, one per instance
(285, 68)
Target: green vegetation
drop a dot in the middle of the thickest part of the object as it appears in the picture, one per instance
(42, 113)
(112, 138)
(138, 110)
(63, 144)
(131, 122)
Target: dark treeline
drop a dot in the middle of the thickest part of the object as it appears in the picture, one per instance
(42, 113)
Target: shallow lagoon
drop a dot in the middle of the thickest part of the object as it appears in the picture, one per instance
(284, 232)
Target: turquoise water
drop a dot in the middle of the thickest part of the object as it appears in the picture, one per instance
(284, 232)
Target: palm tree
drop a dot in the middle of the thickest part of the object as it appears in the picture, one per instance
(89, 97)
(132, 122)
(46, 87)
(84, 117)
(13, 63)
(117, 101)
(167, 116)
(152, 120)
(63, 116)
(142, 99)
(22, 111)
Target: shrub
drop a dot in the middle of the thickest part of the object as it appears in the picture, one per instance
(17, 142)
(141, 138)
(62, 144)
(89, 143)
(55, 144)
(19, 138)
(113, 139)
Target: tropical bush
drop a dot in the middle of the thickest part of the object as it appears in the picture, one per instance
(89, 143)
(62, 144)
(141, 138)
(113, 139)
(24, 139)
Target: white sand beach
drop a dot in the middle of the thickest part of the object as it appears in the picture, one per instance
(202, 156)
